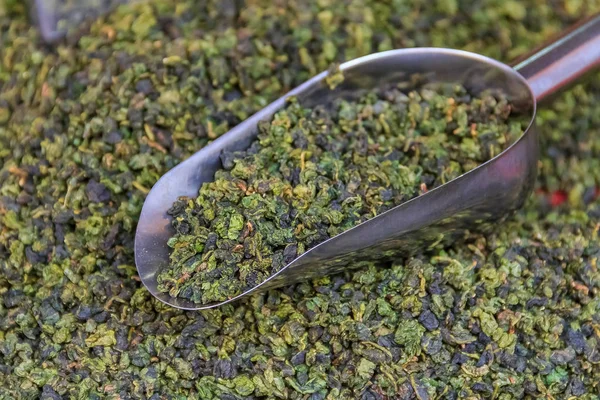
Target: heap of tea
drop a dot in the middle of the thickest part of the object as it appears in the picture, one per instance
(88, 126)
(315, 172)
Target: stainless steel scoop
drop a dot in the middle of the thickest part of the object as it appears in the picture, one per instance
(476, 200)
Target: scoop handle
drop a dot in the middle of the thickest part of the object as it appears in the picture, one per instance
(563, 60)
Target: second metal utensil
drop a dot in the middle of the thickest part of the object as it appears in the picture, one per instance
(474, 201)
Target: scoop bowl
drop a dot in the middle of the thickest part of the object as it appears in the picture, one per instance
(475, 201)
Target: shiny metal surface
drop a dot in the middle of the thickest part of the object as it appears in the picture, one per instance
(563, 59)
(476, 200)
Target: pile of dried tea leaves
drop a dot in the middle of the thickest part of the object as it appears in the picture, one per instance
(87, 127)
(313, 173)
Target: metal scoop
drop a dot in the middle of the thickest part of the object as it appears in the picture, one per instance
(475, 201)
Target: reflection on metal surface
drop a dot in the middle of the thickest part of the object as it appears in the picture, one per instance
(563, 60)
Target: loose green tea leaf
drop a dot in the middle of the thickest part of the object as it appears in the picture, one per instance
(90, 126)
(316, 172)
